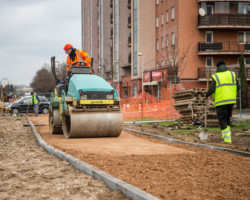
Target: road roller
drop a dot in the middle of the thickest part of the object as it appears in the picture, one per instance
(85, 106)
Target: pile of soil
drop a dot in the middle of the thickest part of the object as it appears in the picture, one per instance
(163, 169)
(29, 172)
(240, 138)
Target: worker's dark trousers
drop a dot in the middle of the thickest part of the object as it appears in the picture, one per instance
(224, 113)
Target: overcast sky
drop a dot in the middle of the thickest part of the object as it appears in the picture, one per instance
(31, 31)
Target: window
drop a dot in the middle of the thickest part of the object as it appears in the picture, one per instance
(135, 38)
(173, 39)
(246, 60)
(173, 62)
(125, 92)
(243, 37)
(27, 101)
(209, 9)
(159, 91)
(209, 36)
(157, 22)
(209, 62)
(244, 8)
(162, 63)
(157, 45)
(167, 62)
(167, 40)
(172, 14)
(134, 89)
(167, 16)
(162, 19)
(162, 43)
(157, 2)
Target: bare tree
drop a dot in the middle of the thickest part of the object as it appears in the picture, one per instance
(175, 61)
(43, 81)
(61, 71)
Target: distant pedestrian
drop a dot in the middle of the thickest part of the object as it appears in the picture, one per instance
(224, 89)
(35, 101)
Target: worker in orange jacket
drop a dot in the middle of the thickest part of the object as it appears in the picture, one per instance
(76, 55)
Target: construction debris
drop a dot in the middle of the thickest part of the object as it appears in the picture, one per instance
(191, 105)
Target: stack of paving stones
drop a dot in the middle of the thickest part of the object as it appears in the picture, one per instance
(191, 105)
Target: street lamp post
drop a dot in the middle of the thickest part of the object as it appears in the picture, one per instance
(118, 74)
(141, 54)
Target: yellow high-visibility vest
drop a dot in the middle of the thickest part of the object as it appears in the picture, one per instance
(226, 88)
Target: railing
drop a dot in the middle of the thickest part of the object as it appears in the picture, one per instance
(111, 18)
(202, 71)
(129, 58)
(129, 21)
(111, 33)
(129, 41)
(129, 4)
(223, 47)
(224, 19)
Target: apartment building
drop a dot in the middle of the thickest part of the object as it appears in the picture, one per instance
(194, 43)
(148, 43)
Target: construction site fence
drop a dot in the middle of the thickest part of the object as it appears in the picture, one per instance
(147, 106)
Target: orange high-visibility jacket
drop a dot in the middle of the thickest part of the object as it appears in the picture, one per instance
(80, 56)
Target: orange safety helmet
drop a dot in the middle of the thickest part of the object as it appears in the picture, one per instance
(67, 46)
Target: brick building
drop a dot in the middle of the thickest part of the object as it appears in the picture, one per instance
(163, 41)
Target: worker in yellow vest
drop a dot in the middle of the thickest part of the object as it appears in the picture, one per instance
(224, 89)
(35, 101)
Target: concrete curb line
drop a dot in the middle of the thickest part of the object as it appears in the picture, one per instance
(113, 183)
(242, 153)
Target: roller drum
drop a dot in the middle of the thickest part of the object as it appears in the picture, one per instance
(55, 122)
(92, 124)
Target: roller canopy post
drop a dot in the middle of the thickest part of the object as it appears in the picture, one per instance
(53, 69)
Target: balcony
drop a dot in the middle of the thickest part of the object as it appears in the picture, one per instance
(129, 41)
(111, 33)
(129, 4)
(129, 58)
(129, 22)
(202, 71)
(239, 21)
(111, 18)
(223, 48)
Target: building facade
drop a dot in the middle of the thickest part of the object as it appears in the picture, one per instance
(148, 44)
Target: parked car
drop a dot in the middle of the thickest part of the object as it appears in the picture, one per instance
(22, 105)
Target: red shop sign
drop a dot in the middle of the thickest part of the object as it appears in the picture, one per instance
(156, 74)
(147, 77)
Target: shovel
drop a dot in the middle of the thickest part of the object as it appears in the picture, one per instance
(204, 133)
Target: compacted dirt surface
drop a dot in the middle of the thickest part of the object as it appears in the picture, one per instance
(29, 172)
(240, 138)
(165, 170)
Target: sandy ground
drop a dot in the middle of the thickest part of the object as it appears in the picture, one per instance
(28, 172)
(163, 169)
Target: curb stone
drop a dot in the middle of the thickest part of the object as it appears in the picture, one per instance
(241, 153)
(112, 182)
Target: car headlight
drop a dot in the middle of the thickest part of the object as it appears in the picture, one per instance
(84, 97)
(109, 97)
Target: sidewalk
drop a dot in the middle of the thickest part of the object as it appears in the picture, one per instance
(245, 116)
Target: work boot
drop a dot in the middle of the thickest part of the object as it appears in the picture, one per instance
(226, 135)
